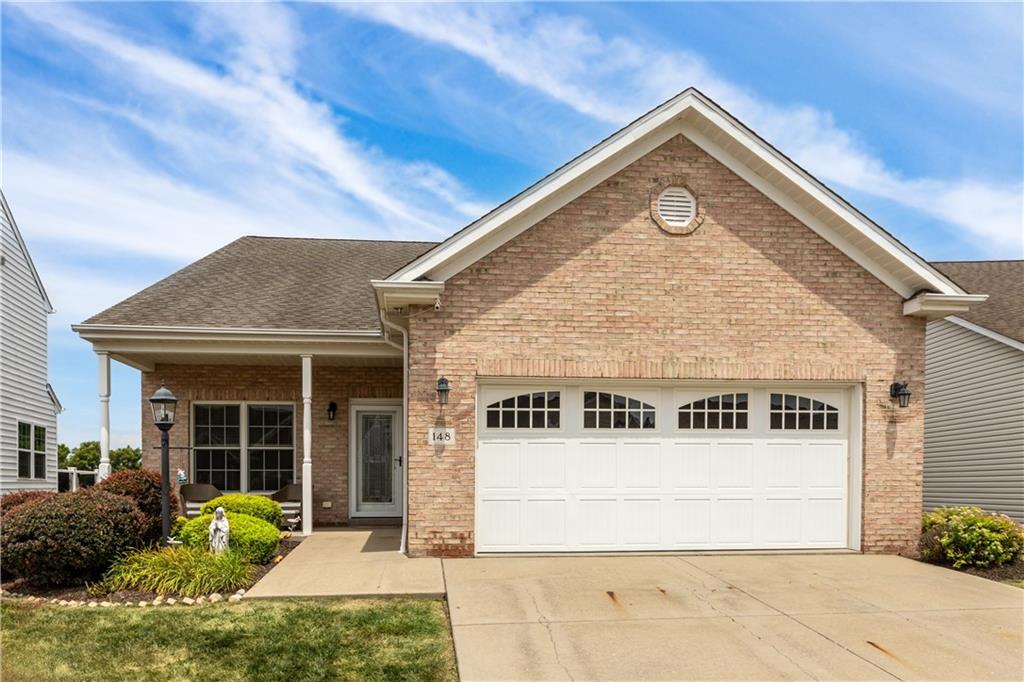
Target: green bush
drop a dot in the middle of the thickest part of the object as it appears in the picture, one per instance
(142, 486)
(969, 536)
(251, 505)
(185, 571)
(70, 538)
(254, 539)
(12, 501)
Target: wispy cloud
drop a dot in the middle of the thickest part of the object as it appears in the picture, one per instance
(613, 79)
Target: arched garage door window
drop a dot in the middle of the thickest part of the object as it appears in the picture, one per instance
(615, 411)
(537, 410)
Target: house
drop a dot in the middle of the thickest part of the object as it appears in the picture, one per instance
(678, 340)
(974, 410)
(28, 404)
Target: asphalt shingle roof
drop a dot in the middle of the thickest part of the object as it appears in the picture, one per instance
(271, 283)
(1003, 281)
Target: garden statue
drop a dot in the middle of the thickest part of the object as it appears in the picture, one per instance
(182, 477)
(219, 531)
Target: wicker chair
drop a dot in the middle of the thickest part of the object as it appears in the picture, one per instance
(290, 499)
(194, 496)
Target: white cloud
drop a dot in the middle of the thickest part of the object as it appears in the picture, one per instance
(614, 79)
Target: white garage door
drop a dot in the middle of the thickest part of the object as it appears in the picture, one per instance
(602, 468)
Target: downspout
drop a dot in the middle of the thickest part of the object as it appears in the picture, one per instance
(392, 327)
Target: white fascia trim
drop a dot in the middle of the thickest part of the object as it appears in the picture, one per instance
(87, 331)
(396, 294)
(985, 331)
(57, 407)
(521, 212)
(933, 305)
(6, 208)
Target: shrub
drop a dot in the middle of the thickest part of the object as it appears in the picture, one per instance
(254, 539)
(142, 486)
(251, 505)
(11, 501)
(969, 536)
(186, 571)
(70, 538)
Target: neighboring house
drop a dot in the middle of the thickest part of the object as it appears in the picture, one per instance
(28, 405)
(678, 340)
(974, 409)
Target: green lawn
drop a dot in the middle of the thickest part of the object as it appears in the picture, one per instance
(400, 639)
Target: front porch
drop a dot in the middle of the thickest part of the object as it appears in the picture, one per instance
(263, 411)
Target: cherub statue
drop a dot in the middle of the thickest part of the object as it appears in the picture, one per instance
(219, 531)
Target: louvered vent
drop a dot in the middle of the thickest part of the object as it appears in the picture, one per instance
(677, 207)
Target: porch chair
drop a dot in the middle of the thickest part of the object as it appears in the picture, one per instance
(194, 496)
(290, 499)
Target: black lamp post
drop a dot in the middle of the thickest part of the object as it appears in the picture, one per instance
(442, 391)
(900, 392)
(163, 403)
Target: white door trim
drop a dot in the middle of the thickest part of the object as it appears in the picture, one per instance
(374, 405)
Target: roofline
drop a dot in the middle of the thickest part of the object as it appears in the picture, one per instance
(669, 110)
(54, 399)
(931, 305)
(24, 249)
(985, 331)
(87, 331)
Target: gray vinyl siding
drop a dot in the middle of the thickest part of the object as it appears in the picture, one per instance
(23, 361)
(974, 421)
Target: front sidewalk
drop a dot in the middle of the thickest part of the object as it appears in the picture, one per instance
(359, 562)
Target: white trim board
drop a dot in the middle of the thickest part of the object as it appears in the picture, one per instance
(785, 182)
(985, 331)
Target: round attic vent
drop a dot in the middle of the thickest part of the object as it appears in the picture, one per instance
(677, 207)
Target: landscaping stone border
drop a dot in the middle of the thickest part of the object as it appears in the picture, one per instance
(214, 598)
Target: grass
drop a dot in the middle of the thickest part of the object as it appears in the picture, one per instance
(397, 639)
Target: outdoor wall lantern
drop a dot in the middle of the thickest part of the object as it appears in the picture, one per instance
(442, 391)
(898, 391)
(332, 410)
(163, 404)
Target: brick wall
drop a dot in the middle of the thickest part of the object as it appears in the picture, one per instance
(598, 290)
(229, 382)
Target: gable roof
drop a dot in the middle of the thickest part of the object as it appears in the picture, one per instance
(271, 283)
(693, 114)
(5, 207)
(1003, 281)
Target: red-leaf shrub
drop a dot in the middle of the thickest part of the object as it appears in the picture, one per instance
(10, 501)
(142, 486)
(70, 538)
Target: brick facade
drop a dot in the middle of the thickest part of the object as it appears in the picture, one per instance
(598, 290)
(284, 383)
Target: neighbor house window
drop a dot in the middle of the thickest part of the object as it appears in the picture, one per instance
(789, 412)
(536, 410)
(725, 411)
(614, 411)
(244, 447)
(31, 451)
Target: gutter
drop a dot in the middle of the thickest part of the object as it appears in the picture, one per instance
(392, 327)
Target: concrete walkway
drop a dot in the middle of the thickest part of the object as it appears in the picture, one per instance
(849, 617)
(351, 563)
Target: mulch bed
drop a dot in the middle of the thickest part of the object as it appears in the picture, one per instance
(1014, 571)
(81, 593)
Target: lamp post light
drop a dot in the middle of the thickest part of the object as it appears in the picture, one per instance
(163, 404)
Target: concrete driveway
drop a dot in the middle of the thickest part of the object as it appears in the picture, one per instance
(850, 617)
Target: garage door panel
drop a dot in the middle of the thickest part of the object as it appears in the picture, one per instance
(733, 521)
(595, 465)
(545, 523)
(825, 522)
(688, 465)
(781, 465)
(545, 465)
(639, 465)
(824, 465)
(597, 523)
(692, 521)
(640, 523)
(781, 520)
(732, 465)
(497, 466)
(498, 521)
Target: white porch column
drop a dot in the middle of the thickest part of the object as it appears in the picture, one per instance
(307, 444)
(104, 389)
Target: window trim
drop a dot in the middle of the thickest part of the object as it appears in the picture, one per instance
(714, 393)
(624, 393)
(45, 452)
(830, 408)
(243, 439)
(514, 391)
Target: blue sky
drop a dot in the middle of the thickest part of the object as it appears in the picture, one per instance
(139, 137)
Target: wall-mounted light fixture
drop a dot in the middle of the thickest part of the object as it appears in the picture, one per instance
(900, 392)
(442, 391)
(332, 410)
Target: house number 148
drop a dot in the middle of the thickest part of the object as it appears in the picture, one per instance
(441, 437)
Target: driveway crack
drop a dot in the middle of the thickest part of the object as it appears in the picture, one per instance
(543, 620)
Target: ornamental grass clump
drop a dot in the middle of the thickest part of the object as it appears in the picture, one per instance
(251, 505)
(965, 537)
(185, 571)
(254, 539)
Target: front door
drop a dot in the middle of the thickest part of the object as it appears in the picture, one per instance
(377, 475)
